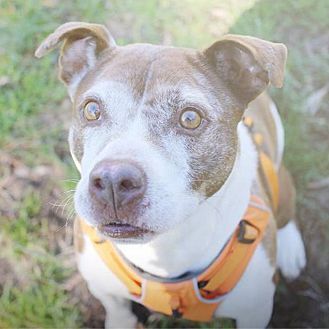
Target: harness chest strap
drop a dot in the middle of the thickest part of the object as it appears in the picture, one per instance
(197, 298)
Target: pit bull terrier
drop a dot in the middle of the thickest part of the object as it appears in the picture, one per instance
(184, 204)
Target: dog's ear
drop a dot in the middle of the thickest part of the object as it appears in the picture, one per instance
(247, 65)
(82, 42)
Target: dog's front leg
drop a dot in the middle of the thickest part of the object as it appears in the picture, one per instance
(118, 312)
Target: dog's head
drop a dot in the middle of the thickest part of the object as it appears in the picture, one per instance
(154, 129)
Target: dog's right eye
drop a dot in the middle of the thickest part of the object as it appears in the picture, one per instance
(190, 118)
(92, 111)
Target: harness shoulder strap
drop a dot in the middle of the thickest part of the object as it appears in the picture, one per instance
(267, 170)
(113, 260)
(222, 276)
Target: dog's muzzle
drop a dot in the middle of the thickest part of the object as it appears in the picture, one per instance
(116, 189)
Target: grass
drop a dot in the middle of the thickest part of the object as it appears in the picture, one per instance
(38, 274)
(296, 24)
(34, 117)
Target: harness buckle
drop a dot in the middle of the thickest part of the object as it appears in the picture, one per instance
(202, 284)
(176, 313)
(247, 233)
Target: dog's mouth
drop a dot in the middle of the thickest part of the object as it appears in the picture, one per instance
(122, 231)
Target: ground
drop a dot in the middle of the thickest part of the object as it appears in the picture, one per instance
(39, 285)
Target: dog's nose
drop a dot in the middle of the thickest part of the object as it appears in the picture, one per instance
(117, 183)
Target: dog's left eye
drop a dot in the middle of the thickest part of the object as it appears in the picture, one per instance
(92, 111)
(190, 118)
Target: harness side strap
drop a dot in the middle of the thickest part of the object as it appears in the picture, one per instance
(268, 172)
(271, 179)
(224, 274)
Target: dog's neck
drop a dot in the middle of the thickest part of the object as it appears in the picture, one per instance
(195, 243)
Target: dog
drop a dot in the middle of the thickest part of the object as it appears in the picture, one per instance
(184, 204)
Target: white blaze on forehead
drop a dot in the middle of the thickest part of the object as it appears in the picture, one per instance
(193, 95)
(113, 140)
(187, 94)
(117, 102)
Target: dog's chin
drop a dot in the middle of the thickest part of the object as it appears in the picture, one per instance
(142, 239)
(125, 233)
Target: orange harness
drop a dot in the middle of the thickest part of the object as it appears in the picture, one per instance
(198, 297)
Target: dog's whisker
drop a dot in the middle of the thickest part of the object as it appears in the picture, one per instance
(69, 216)
(67, 203)
(72, 180)
(70, 191)
(55, 205)
(71, 213)
(62, 227)
(62, 203)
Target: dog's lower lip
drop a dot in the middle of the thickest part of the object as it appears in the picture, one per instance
(122, 231)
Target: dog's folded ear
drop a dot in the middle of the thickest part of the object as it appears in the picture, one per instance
(247, 65)
(82, 42)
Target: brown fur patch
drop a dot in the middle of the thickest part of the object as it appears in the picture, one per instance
(287, 198)
(276, 277)
(269, 240)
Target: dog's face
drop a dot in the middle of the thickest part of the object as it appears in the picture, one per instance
(154, 128)
(159, 113)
